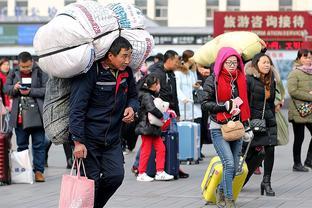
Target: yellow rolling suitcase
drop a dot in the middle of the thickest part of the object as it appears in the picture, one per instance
(213, 177)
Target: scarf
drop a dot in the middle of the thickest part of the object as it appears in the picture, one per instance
(306, 69)
(224, 90)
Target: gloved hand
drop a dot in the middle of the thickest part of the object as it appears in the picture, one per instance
(172, 113)
(229, 105)
(249, 135)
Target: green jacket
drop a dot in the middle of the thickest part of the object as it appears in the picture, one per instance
(299, 86)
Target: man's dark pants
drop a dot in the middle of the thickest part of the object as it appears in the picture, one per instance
(105, 165)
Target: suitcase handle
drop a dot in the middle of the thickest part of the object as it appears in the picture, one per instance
(192, 111)
(241, 162)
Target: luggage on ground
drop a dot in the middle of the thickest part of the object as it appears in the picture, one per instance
(171, 141)
(5, 171)
(213, 177)
(189, 139)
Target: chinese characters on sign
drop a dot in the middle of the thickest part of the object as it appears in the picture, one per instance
(270, 26)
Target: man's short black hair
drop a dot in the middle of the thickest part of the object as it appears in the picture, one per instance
(160, 56)
(169, 55)
(24, 57)
(118, 44)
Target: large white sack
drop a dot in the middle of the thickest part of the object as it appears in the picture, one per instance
(77, 25)
(128, 15)
(246, 43)
(142, 43)
(94, 17)
(70, 62)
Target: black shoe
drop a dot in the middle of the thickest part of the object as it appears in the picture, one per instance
(300, 168)
(183, 175)
(308, 164)
(202, 155)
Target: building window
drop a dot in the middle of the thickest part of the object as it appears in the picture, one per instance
(66, 2)
(161, 12)
(211, 7)
(285, 5)
(233, 5)
(142, 5)
(21, 8)
(3, 8)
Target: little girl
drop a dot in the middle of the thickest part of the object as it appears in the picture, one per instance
(150, 133)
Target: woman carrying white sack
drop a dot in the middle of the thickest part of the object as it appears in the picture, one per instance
(186, 79)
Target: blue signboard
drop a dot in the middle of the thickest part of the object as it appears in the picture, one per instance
(26, 34)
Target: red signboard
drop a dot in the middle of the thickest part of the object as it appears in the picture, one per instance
(270, 26)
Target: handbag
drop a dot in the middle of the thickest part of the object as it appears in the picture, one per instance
(232, 130)
(21, 168)
(304, 108)
(76, 191)
(30, 113)
(259, 125)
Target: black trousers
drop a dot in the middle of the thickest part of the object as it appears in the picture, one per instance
(254, 158)
(105, 165)
(298, 140)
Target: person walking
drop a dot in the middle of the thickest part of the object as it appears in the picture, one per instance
(261, 84)
(299, 86)
(99, 101)
(26, 85)
(223, 89)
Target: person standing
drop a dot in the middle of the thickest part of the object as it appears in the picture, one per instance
(33, 91)
(151, 134)
(4, 71)
(300, 90)
(99, 101)
(168, 86)
(261, 83)
(223, 89)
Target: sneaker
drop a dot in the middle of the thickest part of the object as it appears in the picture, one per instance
(163, 176)
(39, 177)
(144, 177)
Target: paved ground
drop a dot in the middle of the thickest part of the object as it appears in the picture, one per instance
(292, 189)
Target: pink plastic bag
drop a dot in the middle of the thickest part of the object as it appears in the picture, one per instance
(76, 191)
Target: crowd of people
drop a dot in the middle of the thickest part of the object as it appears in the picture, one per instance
(111, 101)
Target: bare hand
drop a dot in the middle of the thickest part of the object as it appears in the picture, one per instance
(80, 150)
(196, 85)
(128, 115)
(277, 108)
(17, 86)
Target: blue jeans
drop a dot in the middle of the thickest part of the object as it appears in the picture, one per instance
(38, 145)
(229, 155)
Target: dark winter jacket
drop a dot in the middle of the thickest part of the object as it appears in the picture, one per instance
(146, 98)
(168, 87)
(37, 90)
(256, 95)
(209, 99)
(97, 103)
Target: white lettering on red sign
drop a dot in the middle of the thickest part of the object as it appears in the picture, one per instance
(298, 21)
(271, 21)
(284, 21)
(229, 22)
(242, 21)
(256, 21)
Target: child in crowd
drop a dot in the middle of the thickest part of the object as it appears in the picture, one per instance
(150, 133)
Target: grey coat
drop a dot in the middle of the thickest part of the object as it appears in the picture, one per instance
(37, 91)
